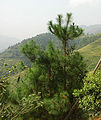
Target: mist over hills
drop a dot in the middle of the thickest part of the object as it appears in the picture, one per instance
(14, 51)
(5, 42)
(92, 29)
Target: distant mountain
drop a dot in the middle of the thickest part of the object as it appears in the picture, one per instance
(5, 42)
(14, 51)
(92, 29)
(92, 53)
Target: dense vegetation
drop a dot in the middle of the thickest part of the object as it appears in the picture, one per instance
(90, 94)
(56, 86)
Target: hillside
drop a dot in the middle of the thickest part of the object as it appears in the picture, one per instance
(14, 51)
(43, 39)
(92, 29)
(92, 53)
(13, 54)
(6, 41)
(85, 40)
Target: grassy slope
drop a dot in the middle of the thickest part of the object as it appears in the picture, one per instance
(92, 53)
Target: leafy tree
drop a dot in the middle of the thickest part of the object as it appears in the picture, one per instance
(90, 94)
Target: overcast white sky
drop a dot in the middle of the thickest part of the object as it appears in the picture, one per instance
(26, 18)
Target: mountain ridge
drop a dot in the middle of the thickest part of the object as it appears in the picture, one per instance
(92, 29)
(5, 41)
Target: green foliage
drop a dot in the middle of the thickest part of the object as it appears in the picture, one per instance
(27, 104)
(21, 66)
(67, 31)
(64, 31)
(90, 94)
(47, 76)
(30, 50)
(5, 95)
(56, 105)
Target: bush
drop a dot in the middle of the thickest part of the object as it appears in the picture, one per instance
(90, 94)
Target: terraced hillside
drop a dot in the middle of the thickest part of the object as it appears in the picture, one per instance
(92, 53)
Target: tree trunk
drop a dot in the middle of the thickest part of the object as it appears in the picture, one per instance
(65, 66)
(65, 48)
(72, 109)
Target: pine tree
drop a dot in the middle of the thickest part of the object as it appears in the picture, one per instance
(64, 30)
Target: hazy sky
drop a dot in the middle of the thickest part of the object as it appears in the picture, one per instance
(26, 18)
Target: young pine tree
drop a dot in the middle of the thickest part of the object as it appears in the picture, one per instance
(64, 30)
